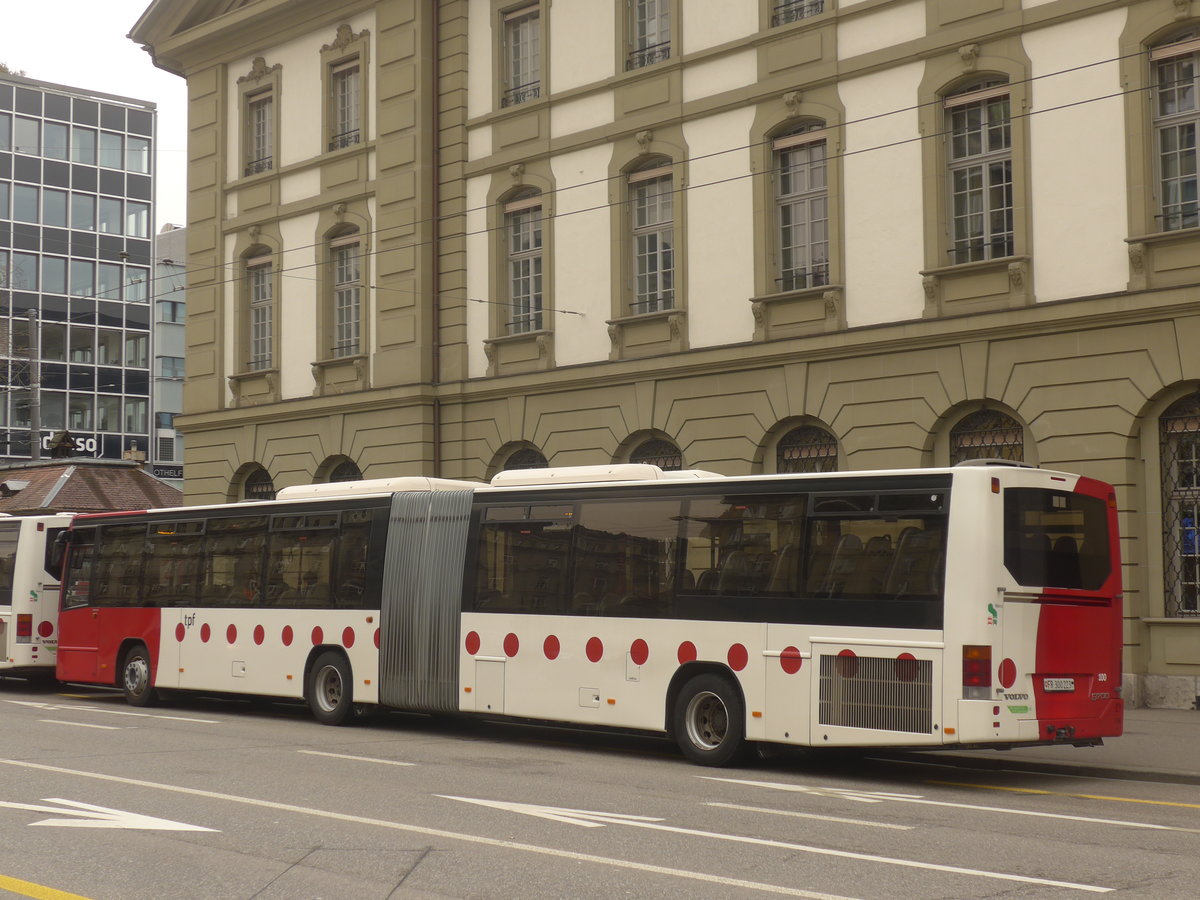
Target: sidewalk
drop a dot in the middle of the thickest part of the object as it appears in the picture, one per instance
(1164, 742)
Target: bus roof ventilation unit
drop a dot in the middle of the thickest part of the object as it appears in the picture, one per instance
(1011, 463)
(595, 474)
(373, 486)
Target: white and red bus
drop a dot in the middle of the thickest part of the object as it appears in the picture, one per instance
(29, 593)
(973, 606)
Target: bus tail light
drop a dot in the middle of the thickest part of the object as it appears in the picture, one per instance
(24, 628)
(977, 672)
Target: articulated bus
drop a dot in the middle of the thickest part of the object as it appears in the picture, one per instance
(29, 593)
(973, 606)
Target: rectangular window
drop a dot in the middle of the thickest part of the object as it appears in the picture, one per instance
(650, 33)
(54, 341)
(653, 240)
(54, 275)
(346, 105)
(261, 312)
(108, 348)
(525, 264)
(79, 412)
(347, 288)
(260, 128)
(83, 145)
(54, 208)
(166, 448)
(171, 311)
(171, 366)
(83, 212)
(27, 136)
(137, 348)
(108, 413)
(137, 155)
(108, 284)
(118, 572)
(232, 571)
(5, 131)
(1056, 539)
(112, 150)
(83, 341)
(803, 206)
(174, 556)
(4, 198)
(981, 181)
(164, 420)
(1176, 117)
(110, 216)
(137, 284)
(300, 560)
(56, 141)
(135, 415)
(83, 275)
(137, 219)
(522, 56)
(25, 203)
(24, 275)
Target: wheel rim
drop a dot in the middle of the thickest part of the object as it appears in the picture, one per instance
(328, 688)
(137, 675)
(707, 720)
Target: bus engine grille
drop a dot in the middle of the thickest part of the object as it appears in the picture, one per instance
(883, 693)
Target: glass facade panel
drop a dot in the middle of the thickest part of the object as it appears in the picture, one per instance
(108, 413)
(137, 351)
(83, 145)
(108, 348)
(137, 155)
(137, 284)
(83, 276)
(54, 275)
(54, 341)
(108, 284)
(110, 216)
(56, 141)
(54, 208)
(112, 150)
(83, 339)
(25, 203)
(137, 219)
(27, 136)
(83, 212)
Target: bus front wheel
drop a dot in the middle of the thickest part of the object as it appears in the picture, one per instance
(709, 721)
(135, 678)
(330, 689)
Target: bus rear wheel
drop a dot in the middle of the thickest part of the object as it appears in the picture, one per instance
(331, 689)
(709, 721)
(136, 680)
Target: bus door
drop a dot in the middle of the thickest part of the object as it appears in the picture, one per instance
(788, 660)
(79, 617)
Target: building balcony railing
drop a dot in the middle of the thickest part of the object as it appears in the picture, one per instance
(265, 164)
(799, 279)
(981, 249)
(647, 56)
(522, 93)
(525, 322)
(1187, 216)
(345, 139)
(661, 303)
(795, 10)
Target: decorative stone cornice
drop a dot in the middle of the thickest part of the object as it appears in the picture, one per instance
(344, 38)
(259, 71)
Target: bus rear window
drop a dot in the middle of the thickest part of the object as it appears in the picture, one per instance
(1056, 539)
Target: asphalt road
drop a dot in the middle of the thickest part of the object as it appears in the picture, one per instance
(229, 799)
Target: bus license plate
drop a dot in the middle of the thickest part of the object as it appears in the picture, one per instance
(1059, 684)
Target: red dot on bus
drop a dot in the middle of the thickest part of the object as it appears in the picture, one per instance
(287, 635)
(205, 632)
(231, 633)
(790, 660)
(847, 664)
(639, 652)
(472, 642)
(318, 635)
(687, 652)
(45, 629)
(180, 631)
(595, 649)
(550, 647)
(260, 634)
(1008, 673)
(907, 667)
(376, 638)
(348, 637)
(511, 644)
(738, 657)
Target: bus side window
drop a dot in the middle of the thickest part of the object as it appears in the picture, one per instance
(9, 533)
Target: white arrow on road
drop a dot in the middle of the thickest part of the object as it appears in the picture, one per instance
(593, 819)
(100, 817)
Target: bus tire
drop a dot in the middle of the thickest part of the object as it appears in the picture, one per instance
(331, 689)
(709, 720)
(136, 678)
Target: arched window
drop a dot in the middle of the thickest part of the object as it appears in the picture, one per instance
(526, 458)
(987, 434)
(978, 125)
(346, 470)
(523, 233)
(1176, 66)
(808, 448)
(1179, 445)
(259, 486)
(802, 208)
(657, 452)
(652, 224)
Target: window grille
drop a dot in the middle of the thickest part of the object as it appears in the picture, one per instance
(526, 458)
(346, 470)
(981, 181)
(795, 10)
(803, 209)
(657, 452)
(259, 486)
(987, 434)
(1176, 77)
(166, 449)
(651, 205)
(806, 449)
(1179, 446)
(524, 229)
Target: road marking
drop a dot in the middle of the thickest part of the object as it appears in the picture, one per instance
(1017, 790)
(590, 818)
(436, 832)
(100, 817)
(36, 891)
(80, 724)
(800, 815)
(916, 798)
(114, 712)
(384, 762)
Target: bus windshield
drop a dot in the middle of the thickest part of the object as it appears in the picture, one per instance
(1056, 539)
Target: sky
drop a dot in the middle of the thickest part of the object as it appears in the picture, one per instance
(82, 44)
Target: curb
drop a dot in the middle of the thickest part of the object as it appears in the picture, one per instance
(1081, 770)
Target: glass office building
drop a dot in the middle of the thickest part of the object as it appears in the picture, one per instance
(76, 214)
